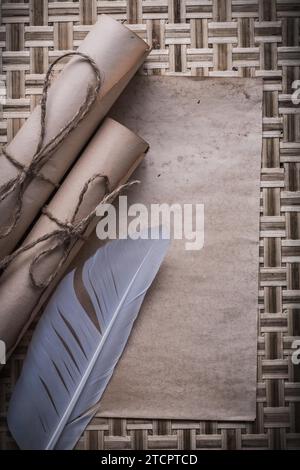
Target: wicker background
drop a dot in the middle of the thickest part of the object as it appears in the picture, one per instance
(244, 38)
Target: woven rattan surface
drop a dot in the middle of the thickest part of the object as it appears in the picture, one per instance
(235, 38)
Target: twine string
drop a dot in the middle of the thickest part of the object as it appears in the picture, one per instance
(43, 153)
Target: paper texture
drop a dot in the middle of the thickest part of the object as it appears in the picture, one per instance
(192, 352)
(118, 53)
(114, 151)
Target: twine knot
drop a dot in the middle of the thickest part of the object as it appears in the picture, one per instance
(66, 234)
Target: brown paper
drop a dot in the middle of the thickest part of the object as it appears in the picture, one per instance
(118, 53)
(114, 151)
(192, 351)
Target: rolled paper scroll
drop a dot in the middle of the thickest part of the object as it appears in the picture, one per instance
(118, 53)
(109, 159)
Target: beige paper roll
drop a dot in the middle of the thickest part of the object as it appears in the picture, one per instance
(114, 151)
(118, 53)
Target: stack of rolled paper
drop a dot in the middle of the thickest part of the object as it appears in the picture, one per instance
(38, 243)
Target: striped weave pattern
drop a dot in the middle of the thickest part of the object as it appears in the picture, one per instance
(210, 38)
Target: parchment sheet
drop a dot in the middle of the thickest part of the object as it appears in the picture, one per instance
(192, 352)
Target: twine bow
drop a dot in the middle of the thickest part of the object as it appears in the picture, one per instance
(65, 235)
(42, 154)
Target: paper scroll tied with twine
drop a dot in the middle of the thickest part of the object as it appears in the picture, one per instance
(110, 157)
(70, 112)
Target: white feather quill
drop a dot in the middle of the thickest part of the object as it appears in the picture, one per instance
(72, 354)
